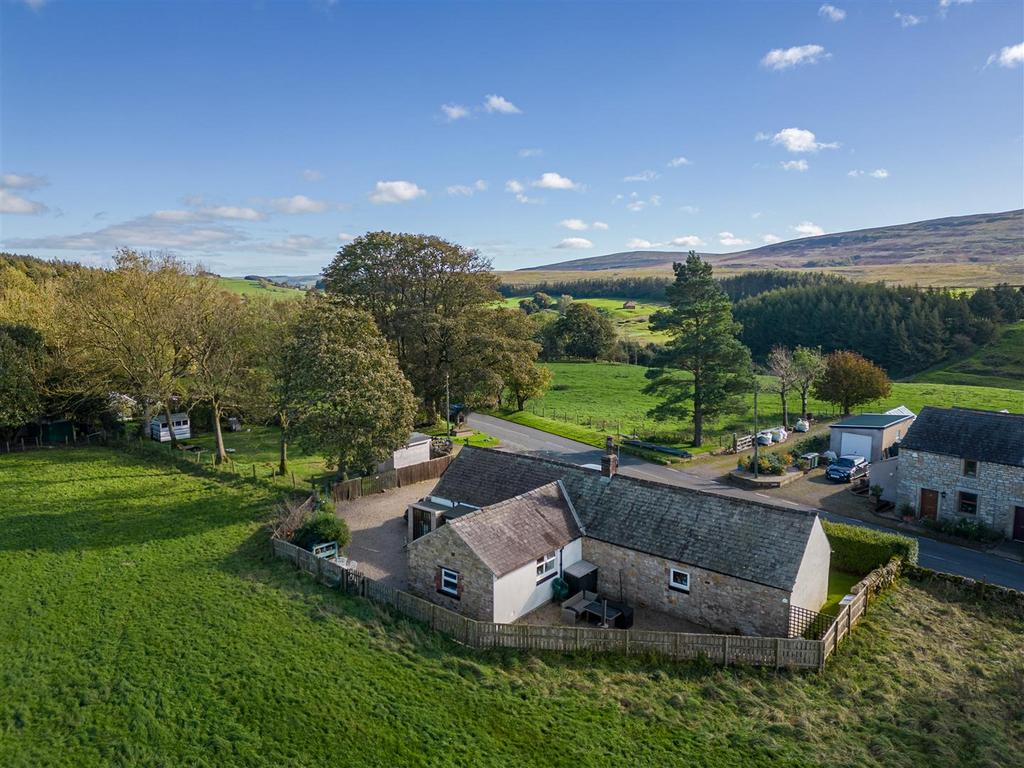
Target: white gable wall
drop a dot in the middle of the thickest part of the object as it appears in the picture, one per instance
(517, 593)
(811, 588)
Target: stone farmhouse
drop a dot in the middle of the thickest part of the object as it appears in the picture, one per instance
(962, 463)
(503, 526)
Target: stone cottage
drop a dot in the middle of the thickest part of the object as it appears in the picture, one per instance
(729, 564)
(962, 463)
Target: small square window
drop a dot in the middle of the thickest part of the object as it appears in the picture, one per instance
(449, 583)
(678, 580)
(547, 566)
(970, 468)
(968, 503)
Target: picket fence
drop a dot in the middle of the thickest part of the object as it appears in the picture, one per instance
(385, 481)
(778, 652)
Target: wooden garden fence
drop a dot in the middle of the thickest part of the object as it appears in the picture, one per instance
(385, 481)
(778, 652)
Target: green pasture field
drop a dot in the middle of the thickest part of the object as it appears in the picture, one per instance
(144, 622)
(630, 323)
(999, 364)
(256, 288)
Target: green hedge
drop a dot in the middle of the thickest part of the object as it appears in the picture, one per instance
(860, 550)
(323, 527)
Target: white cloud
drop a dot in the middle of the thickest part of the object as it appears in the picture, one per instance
(762, 136)
(756, 215)
(770, 238)
(728, 238)
(453, 112)
(174, 215)
(784, 58)
(689, 209)
(794, 165)
(22, 181)
(676, 162)
(12, 203)
(600, 225)
(298, 204)
(908, 19)
(494, 103)
(517, 189)
(575, 243)
(555, 181)
(687, 241)
(947, 3)
(345, 237)
(464, 190)
(395, 192)
(638, 242)
(311, 174)
(642, 176)
(801, 140)
(577, 225)
(145, 232)
(531, 152)
(878, 173)
(831, 13)
(1009, 56)
(234, 212)
(808, 229)
(35, 5)
(636, 204)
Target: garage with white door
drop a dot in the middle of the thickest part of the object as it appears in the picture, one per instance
(871, 435)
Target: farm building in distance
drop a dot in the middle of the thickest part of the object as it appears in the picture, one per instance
(160, 430)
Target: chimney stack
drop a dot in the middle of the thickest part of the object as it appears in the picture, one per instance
(610, 460)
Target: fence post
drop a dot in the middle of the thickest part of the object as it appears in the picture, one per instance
(725, 650)
(578, 640)
(778, 646)
(433, 616)
(627, 642)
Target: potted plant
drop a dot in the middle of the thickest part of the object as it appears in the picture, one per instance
(907, 512)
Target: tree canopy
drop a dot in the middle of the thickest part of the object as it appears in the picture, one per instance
(849, 380)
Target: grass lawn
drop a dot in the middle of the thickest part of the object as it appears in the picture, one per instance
(143, 622)
(586, 401)
(257, 288)
(630, 323)
(258, 445)
(1000, 364)
(839, 585)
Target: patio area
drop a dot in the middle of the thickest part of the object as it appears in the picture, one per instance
(378, 527)
(643, 618)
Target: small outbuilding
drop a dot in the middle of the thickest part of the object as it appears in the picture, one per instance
(870, 435)
(160, 428)
(415, 451)
(629, 305)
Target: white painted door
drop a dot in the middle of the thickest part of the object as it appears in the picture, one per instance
(856, 445)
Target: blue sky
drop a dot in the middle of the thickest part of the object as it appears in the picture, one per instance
(258, 136)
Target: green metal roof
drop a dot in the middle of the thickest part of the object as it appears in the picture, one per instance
(871, 420)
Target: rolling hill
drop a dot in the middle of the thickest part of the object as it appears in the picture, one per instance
(979, 239)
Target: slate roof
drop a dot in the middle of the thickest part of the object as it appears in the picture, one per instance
(872, 420)
(750, 540)
(969, 434)
(512, 533)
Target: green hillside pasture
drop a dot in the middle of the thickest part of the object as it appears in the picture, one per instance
(587, 401)
(999, 364)
(258, 288)
(143, 622)
(630, 323)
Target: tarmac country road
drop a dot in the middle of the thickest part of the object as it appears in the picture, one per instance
(936, 555)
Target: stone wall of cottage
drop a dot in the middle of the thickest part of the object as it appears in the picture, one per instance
(999, 487)
(444, 548)
(720, 603)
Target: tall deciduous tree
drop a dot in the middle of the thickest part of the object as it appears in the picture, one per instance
(703, 344)
(22, 356)
(349, 398)
(808, 363)
(849, 380)
(780, 365)
(581, 332)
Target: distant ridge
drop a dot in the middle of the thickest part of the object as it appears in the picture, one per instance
(981, 237)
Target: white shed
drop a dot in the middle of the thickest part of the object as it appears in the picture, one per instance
(415, 451)
(160, 431)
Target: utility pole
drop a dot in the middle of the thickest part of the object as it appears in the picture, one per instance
(447, 407)
(756, 444)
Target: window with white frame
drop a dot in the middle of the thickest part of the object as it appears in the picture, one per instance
(547, 566)
(678, 580)
(449, 584)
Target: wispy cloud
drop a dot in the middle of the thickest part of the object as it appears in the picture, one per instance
(23, 181)
(642, 176)
(501, 105)
(878, 173)
(637, 204)
(729, 239)
(909, 19)
(311, 174)
(769, 238)
(466, 190)
(144, 232)
(1009, 56)
(345, 237)
(299, 204)
(579, 225)
(386, 192)
(831, 13)
(808, 229)
(600, 225)
(689, 209)
(677, 162)
(575, 243)
(12, 203)
(785, 58)
(552, 180)
(517, 189)
(794, 165)
(797, 140)
(453, 112)
(530, 152)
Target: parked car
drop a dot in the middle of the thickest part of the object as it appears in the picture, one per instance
(846, 469)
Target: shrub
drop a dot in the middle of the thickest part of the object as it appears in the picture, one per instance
(767, 464)
(965, 528)
(813, 444)
(321, 528)
(860, 550)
